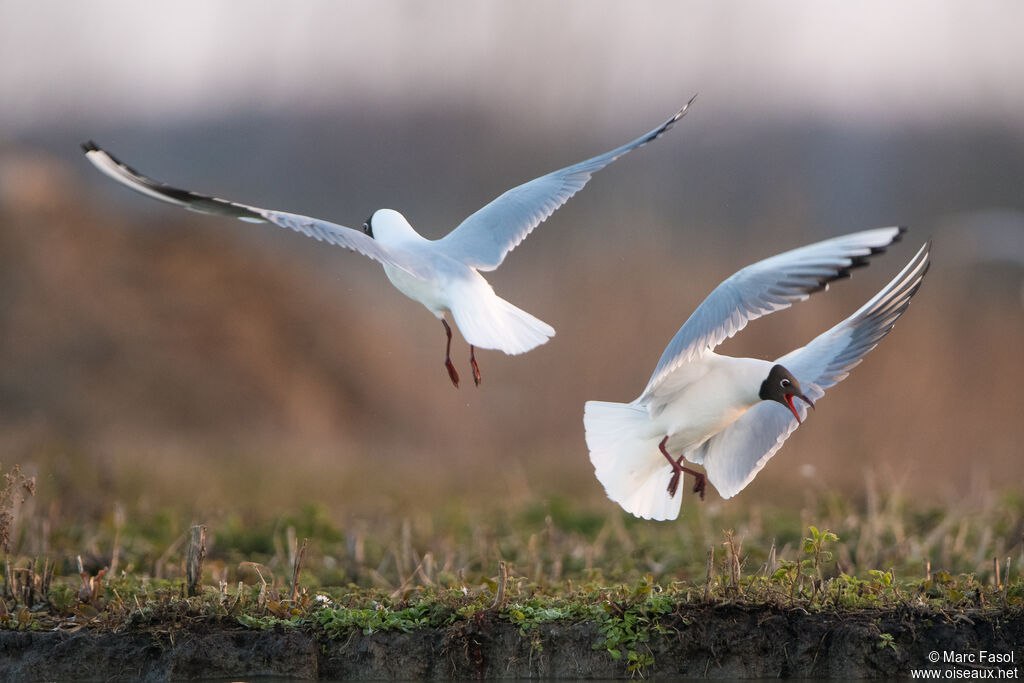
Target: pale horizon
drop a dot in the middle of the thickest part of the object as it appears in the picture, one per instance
(916, 63)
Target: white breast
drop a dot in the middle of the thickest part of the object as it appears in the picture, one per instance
(709, 395)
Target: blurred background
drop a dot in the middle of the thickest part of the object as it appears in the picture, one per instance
(152, 357)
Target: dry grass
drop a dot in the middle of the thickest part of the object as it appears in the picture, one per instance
(544, 538)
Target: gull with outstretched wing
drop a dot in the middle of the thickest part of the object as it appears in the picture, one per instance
(732, 414)
(444, 274)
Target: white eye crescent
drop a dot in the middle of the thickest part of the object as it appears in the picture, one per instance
(785, 382)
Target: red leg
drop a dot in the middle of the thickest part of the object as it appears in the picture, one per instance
(678, 469)
(673, 483)
(701, 482)
(452, 373)
(477, 377)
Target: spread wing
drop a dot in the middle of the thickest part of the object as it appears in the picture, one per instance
(762, 288)
(734, 456)
(482, 240)
(312, 227)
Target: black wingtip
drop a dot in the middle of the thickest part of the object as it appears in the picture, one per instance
(682, 112)
(858, 262)
(900, 231)
(665, 127)
(89, 146)
(862, 261)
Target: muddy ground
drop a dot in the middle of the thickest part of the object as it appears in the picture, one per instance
(725, 641)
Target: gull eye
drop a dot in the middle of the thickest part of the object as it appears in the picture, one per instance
(366, 228)
(785, 382)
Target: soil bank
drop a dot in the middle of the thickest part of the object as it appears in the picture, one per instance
(723, 641)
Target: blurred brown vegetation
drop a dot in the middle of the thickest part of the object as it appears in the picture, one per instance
(159, 358)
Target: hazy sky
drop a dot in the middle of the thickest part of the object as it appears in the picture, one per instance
(122, 60)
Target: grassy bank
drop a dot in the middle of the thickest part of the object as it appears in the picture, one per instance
(540, 586)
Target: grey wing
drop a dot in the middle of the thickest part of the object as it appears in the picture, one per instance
(762, 288)
(734, 456)
(317, 229)
(482, 240)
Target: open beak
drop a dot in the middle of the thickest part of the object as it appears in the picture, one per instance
(792, 408)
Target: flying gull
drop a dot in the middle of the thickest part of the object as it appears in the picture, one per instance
(444, 274)
(732, 414)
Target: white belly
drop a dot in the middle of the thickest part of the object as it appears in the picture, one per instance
(430, 293)
(692, 421)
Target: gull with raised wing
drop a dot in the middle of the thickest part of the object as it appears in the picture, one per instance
(444, 274)
(732, 414)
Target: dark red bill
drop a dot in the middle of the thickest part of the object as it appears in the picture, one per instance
(792, 408)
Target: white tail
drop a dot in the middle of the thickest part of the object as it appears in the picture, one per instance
(489, 322)
(627, 462)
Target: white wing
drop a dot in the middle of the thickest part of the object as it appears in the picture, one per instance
(482, 240)
(762, 288)
(317, 229)
(734, 456)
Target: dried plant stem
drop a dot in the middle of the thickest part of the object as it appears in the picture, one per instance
(733, 558)
(12, 493)
(196, 555)
(292, 542)
(707, 577)
(499, 598)
(115, 553)
(297, 567)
